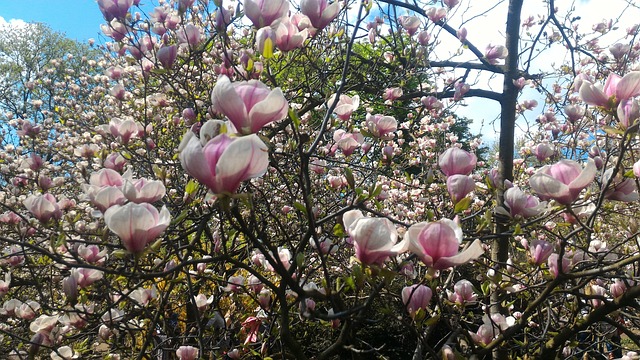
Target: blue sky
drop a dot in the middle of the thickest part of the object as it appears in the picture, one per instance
(78, 19)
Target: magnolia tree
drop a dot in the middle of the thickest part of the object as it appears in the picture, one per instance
(273, 179)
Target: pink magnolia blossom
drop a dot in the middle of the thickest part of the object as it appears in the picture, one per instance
(543, 151)
(374, 239)
(636, 168)
(114, 9)
(104, 197)
(249, 105)
(563, 181)
(424, 37)
(187, 353)
(224, 162)
(521, 204)
(85, 276)
(540, 251)
(416, 297)
(410, 24)
(234, 284)
(617, 288)
(320, 13)
(628, 112)
(463, 293)
(623, 88)
(115, 162)
(552, 262)
(460, 186)
(436, 14)
(451, 3)
(4, 284)
(493, 53)
(621, 189)
(346, 105)
(392, 94)
(167, 56)
(437, 244)
(347, 142)
(265, 41)
(123, 130)
(462, 34)
(597, 293)
(92, 254)
(457, 161)
(265, 12)
(137, 224)
(143, 190)
(190, 36)
(43, 207)
(202, 301)
(252, 326)
(381, 126)
(288, 36)
(460, 89)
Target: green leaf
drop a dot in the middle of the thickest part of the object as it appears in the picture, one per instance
(349, 175)
(192, 187)
(463, 205)
(294, 118)
(338, 230)
(300, 207)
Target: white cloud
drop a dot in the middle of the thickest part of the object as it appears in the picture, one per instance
(15, 23)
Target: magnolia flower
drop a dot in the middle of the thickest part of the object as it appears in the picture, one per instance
(392, 94)
(463, 293)
(202, 301)
(493, 53)
(63, 353)
(552, 262)
(410, 23)
(622, 88)
(265, 12)
(137, 224)
(628, 112)
(436, 14)
(252, 326)
(381, 126)
(320, 13)
(346, 105)
(224, 162)
(437, 244)
(521, 204)
(142, 190)
(43, 207)
(123, 130)
(187, 353)
(460, 186)
(85, 276)
(190, 35)
(563, 181)
(288, 37)
(265, 40)
(347, 142)
(4, 284)
(114, 9)
(249, 105)
(416, 297)
(540, 251)
(167, 56)
(374, 239)
(620, 189)
(143, 296)
(92, 254)
(457, 161)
